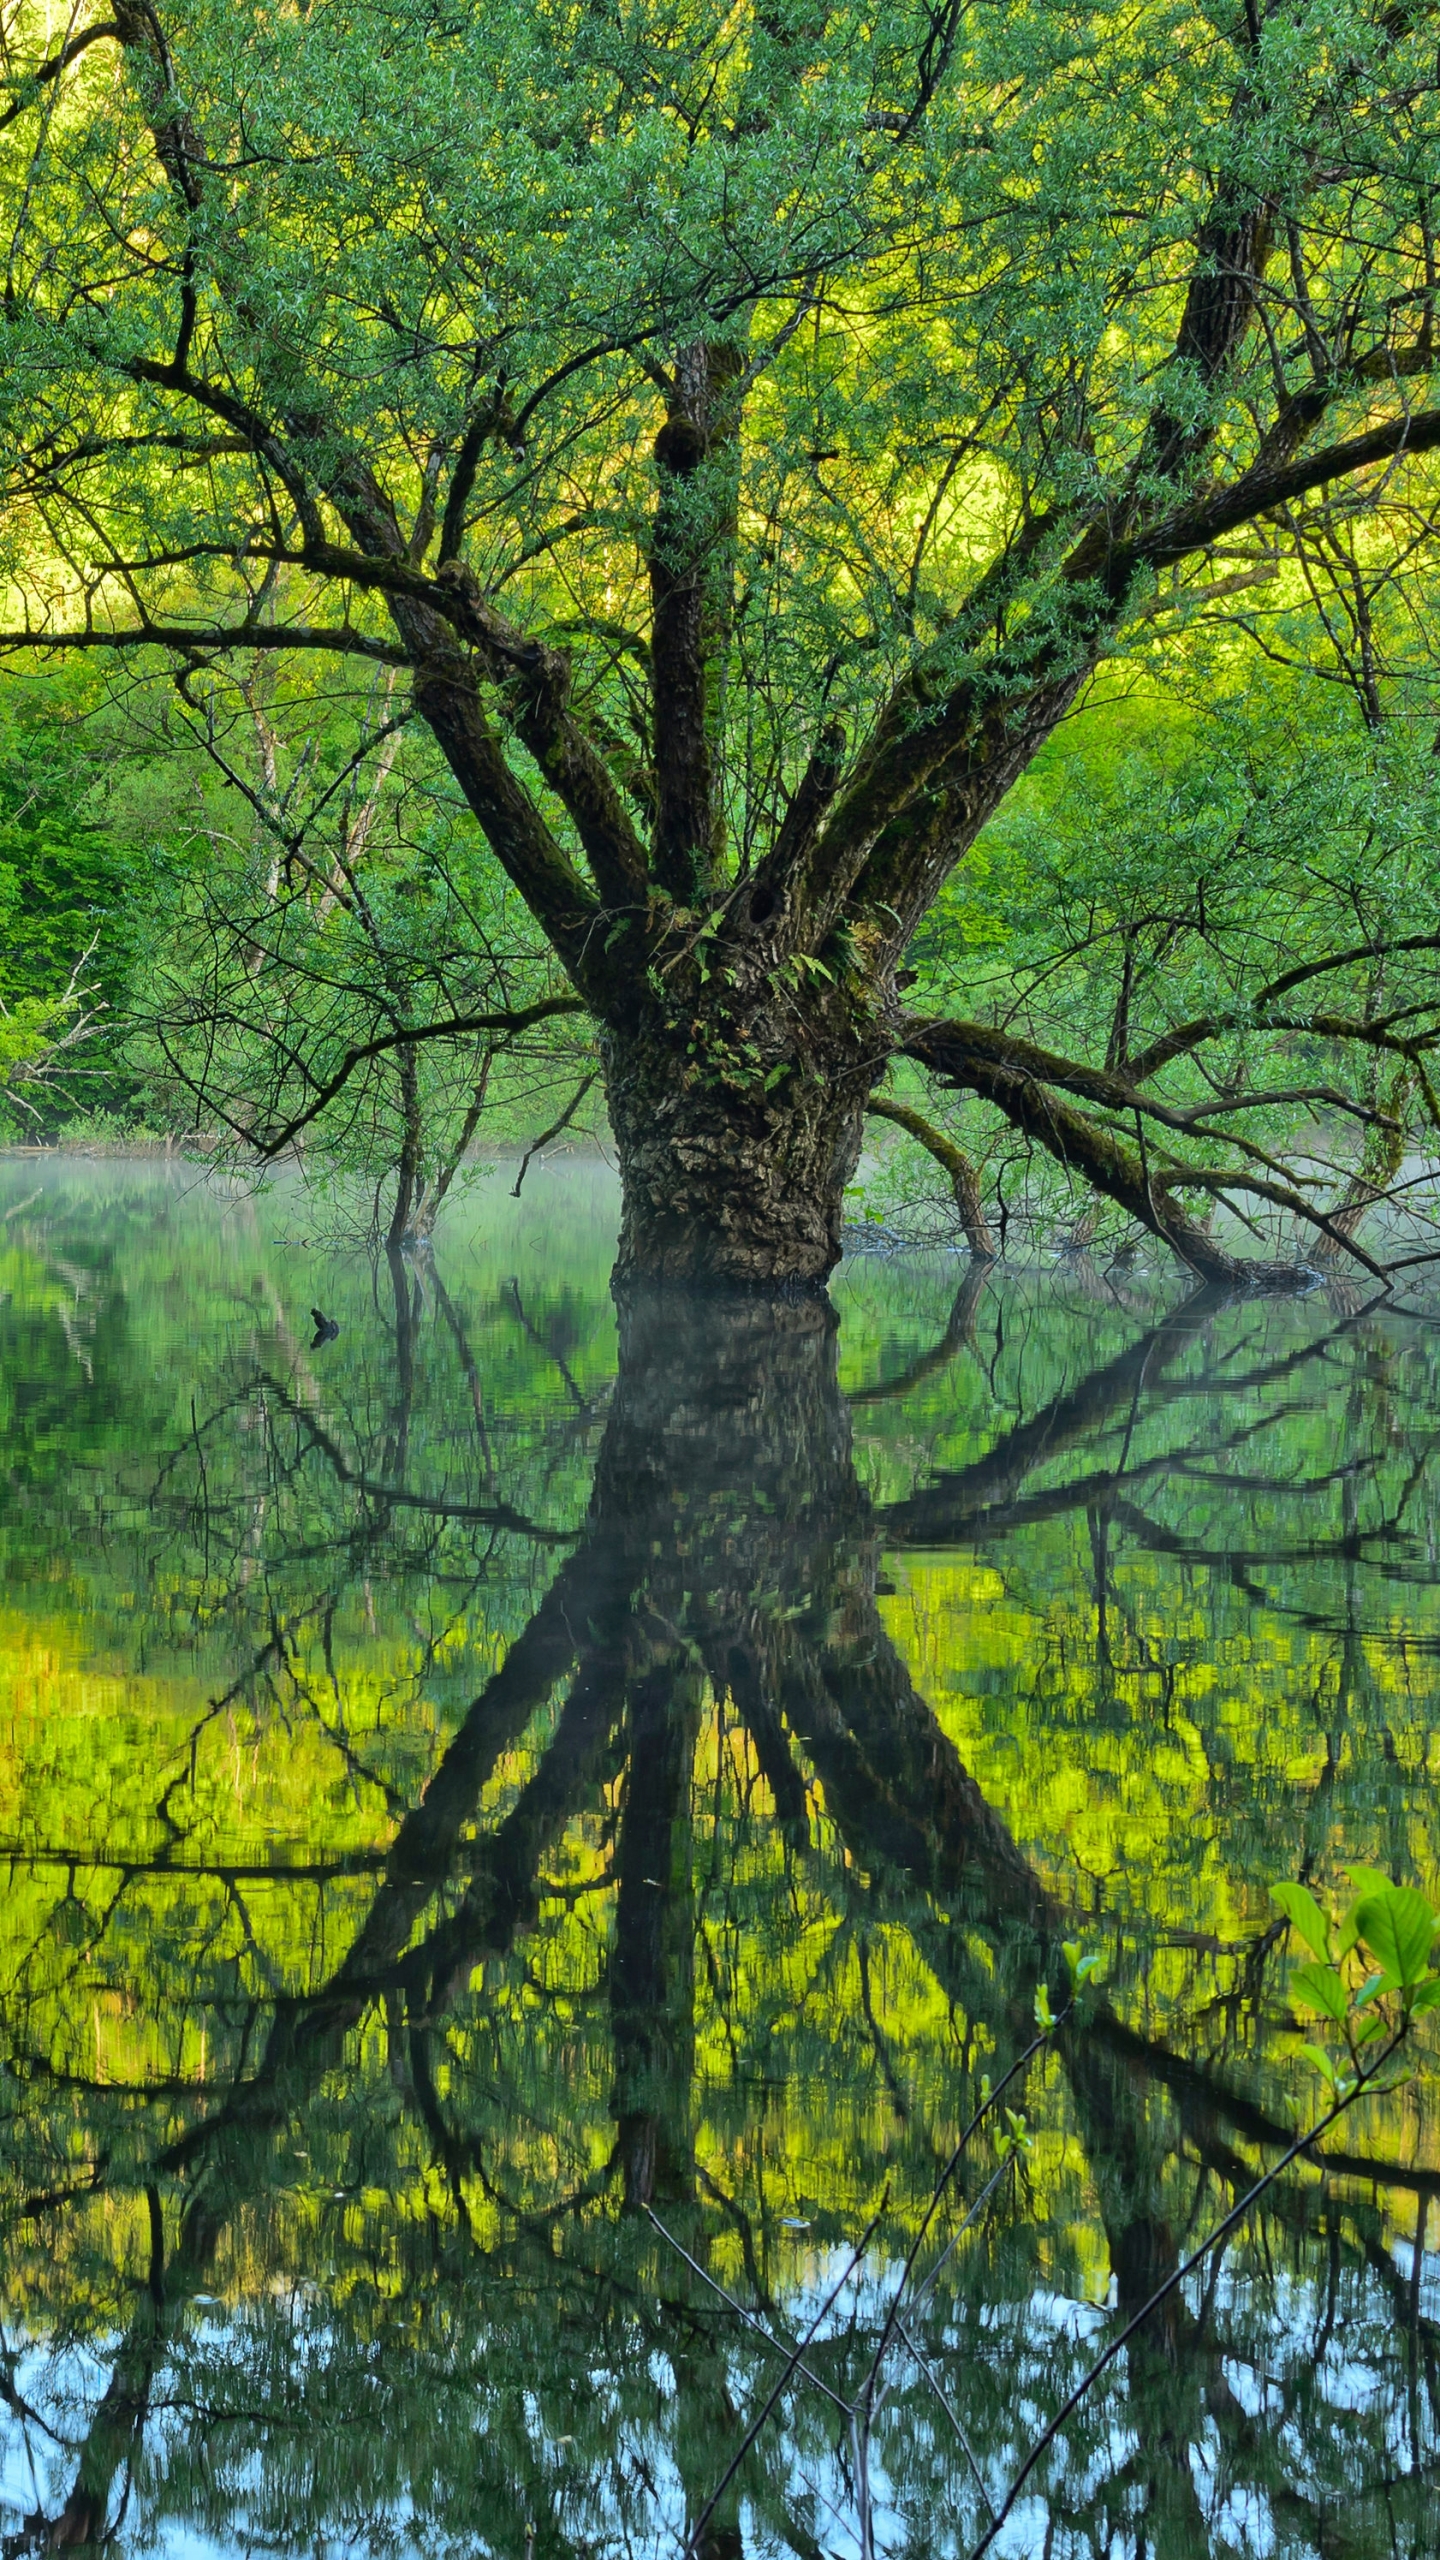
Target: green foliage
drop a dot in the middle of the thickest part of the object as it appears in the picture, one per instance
(1395, 1928)
(1169, 854)
(417, 338)
(27, 1034)
(80, 901)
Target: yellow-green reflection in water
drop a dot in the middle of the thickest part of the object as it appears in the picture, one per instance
(518, 1816)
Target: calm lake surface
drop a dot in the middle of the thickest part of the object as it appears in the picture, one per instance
(516, 1819)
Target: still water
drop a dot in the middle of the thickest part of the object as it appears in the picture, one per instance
(525, 1833)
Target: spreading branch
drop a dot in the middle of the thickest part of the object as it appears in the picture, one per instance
(509, 1025)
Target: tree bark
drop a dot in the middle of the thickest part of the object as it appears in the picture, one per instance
(727, 1186)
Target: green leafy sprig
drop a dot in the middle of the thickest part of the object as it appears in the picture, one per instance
(1370, 1973)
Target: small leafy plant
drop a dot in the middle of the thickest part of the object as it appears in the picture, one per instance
(1369, 1974)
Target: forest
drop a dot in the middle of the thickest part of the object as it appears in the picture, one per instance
(840, 602)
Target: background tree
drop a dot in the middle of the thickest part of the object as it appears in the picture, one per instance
(344, 967)
(745, 437)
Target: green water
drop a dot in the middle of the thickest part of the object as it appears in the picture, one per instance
(516, 1822)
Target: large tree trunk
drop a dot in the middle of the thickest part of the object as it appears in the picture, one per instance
(726, 1185)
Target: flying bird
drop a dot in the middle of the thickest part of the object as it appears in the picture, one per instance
(326, 1328)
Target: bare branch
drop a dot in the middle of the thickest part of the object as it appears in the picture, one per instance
(458, 1027)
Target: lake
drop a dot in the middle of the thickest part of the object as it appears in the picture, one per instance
(531, 1832)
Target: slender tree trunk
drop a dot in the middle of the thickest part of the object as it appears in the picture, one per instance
(408, 1170)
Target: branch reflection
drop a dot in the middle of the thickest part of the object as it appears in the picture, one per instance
(561, 1865)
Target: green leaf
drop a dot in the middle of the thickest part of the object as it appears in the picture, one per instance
(1379, 1987)
(1317, 2055)
(1044, 2014)
(1319, 1987)
(1304, 1913)
(1398, 1927)
(1426, 1996)
(1367, 1882)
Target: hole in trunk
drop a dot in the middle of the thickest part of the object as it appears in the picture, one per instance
(763, 904)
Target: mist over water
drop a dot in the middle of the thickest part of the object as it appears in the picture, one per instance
(527, 1825)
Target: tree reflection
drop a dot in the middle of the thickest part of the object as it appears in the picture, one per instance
(471, 2192)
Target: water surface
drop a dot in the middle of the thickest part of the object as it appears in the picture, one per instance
(525, 1832)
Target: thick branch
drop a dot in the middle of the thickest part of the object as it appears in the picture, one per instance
(538, 680)
(1003, 1050)
(1075, 1142)
(1269, 485)
(185, 640)
(1282, 1195)
(941, 758)
(446, 696)
(784, 864)
(691, 548)
(1023, 1081)
(964, 1180)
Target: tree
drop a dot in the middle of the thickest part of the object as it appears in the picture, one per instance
(747, 434)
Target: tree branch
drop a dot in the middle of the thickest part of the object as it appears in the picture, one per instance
(1075, 1142)
(423, 610)
(942, 756)
(1022, 1081)
(57, 64)
(539, 679)
(691, 539)
(1207, 1026)
(964, 1180)
(1266, 486)
(460, 1027)
(185, 640)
